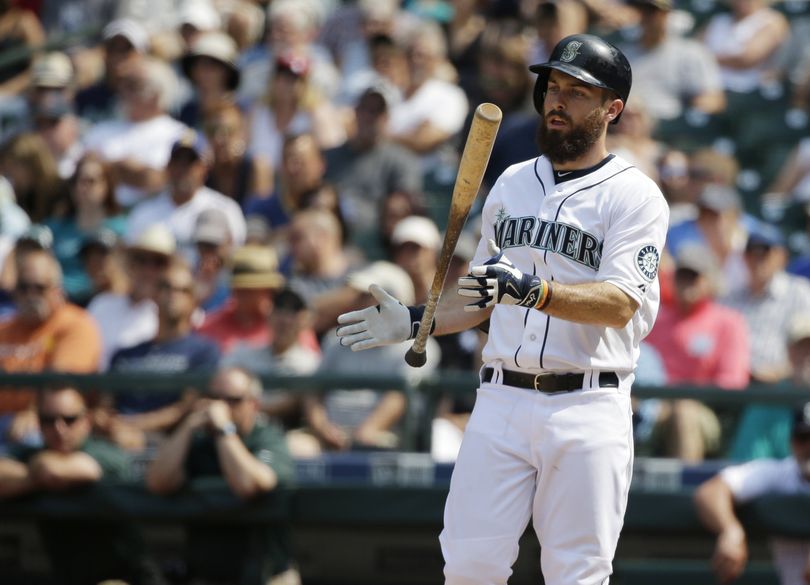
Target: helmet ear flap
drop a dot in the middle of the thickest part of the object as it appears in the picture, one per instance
(539, 94)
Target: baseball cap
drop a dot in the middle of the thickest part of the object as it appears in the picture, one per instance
(719, 198)
(103, 238)
(418, 230)
(131, 30)
(393, 279)
(218, 46)
(157, 239)
(200, 14)
(212, 228)
(390, 95)
(52, 70)
(255, 267)
(698, 258)
(801, 419)
(196, 143)
(764, 234)
(37, 236)
(799, 328)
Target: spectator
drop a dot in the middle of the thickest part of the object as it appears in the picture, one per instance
(673, 73)
(320, 262)
(212, 236)
(464, 34)
(46, 334)
(36, 237)
(365, 418)
(90, 206)
(186, 197)
(394, 208)
(792, 184)
(129, 319)
(28, 165)
(416, 243)
(138, 146)
(434, 108)
(369, 167)
(71, 459)
(770, 302)
(553, 21)
(196, 19)
(285, 355)
(763, 431)
(13, 222)
(126, 43)
(20, 29)
(210, 65)
(720, 227)
(739, 484)
(223, 437)
(745, 42)
(700, 342)
(301, 173)
(292, 106)
(174, 349)
(254, 280)
(234, 171)
(55, 122)
(632, 138)
(102, 261)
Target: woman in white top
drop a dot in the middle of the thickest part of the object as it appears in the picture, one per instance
(744, 42)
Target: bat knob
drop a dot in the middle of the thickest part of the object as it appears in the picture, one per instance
(415, 359)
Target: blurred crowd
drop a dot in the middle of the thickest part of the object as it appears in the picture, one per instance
(210, 184)
(204, 185)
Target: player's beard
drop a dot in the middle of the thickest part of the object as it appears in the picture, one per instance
(561, 146)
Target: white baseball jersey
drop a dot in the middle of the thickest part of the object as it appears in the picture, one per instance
(769, 476)
(606, 226)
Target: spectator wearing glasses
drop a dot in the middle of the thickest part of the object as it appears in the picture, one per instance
(69, 459)
(174, 349)
(46, 334)
(770, 302)
(716, 499)
(223, 436)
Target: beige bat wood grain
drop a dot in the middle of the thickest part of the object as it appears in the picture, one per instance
(474, 159)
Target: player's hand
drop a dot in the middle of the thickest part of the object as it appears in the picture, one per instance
(386, 324)
(498, 281)
(730, 555)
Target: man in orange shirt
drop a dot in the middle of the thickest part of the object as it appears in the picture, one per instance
(46, 334)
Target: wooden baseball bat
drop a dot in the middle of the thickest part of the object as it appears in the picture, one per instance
(471, 169)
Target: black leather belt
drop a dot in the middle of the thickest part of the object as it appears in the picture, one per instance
(550, 383)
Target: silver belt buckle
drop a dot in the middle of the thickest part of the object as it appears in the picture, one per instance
(537, 379)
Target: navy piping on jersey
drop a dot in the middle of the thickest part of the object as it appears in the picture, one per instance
(525, 318)
(536, 174)
(545, 252)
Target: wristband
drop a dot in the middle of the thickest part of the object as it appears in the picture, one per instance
(545, 298)
(226, 430)
(416, 313)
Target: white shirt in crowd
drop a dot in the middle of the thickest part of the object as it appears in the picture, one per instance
(122, 323)
(181, 219)
(148, 143)
(769, 476)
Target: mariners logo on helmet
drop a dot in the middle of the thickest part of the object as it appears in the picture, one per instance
(647, 262)
(570, 52)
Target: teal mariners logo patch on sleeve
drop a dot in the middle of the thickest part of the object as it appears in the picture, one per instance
(647, 262)
(570, 51)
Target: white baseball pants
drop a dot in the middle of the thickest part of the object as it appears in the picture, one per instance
(565, 460)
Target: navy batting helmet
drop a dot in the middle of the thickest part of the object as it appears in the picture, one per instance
(589, 59)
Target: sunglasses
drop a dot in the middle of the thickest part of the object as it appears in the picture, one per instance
(231, 401)
(49, 420)
(168, 286)
(153, 260)
(32, 287)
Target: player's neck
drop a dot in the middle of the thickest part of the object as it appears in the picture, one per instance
(590, 159)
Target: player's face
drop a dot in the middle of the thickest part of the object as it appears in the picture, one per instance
(576, 118)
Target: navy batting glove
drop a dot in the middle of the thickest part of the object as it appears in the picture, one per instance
(498, 281)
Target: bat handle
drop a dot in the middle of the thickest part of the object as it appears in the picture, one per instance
(417, 356)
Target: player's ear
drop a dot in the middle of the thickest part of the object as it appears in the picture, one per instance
(615, 107)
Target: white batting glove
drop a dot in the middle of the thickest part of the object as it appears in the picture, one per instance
(498, 281)
(388, 323)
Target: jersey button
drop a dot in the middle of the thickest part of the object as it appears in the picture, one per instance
(533, 337)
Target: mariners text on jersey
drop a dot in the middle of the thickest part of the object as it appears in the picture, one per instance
(558, 237)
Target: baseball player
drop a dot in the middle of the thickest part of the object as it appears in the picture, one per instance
(566, 273)
(738, 484)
